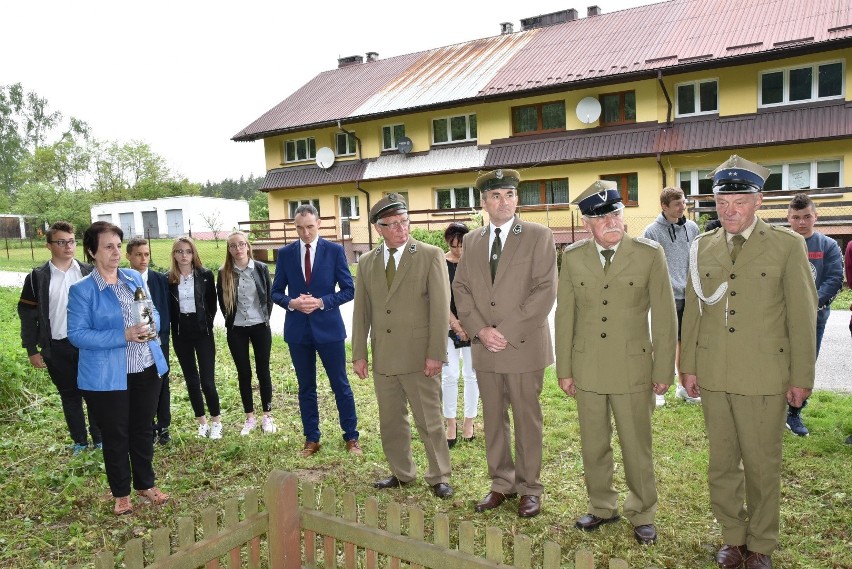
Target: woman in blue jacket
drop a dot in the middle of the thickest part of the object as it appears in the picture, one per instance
(120, 368)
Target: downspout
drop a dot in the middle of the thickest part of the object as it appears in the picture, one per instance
(662, 169)
(358, 182)
(668, 99)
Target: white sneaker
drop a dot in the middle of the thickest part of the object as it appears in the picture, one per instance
(203, 430)
(681, 393)
(216, 430)
(248, 426)
(268, 424)
(659, 400)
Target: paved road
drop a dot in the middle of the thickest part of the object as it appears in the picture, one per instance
(834, 367)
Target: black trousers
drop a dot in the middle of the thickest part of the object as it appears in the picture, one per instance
(189, 343)
(163, 417)
(260, 338)
(62, 368)
(125, 421)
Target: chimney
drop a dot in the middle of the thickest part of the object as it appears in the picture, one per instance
(548, 19)
(372, 56)
(572, 14)
(350, 60)
(506, 28)
(593, 11)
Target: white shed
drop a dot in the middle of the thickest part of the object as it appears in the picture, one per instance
(202, 217)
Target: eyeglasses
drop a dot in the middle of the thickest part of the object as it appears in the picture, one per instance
(63, 242)
(394, 225)
(183, 251)
(240, 245)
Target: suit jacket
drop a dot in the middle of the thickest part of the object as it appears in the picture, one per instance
(34, 309)
(262, 285)
(329, 271)
(760, 338)
(408, 323)
(158, 285)
(517, 303)
(602, 335)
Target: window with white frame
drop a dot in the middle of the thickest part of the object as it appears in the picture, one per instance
(391, 134)
(345, 144)
(292, 205)
(800, 84)
(696, 182)
(804, 175)
(300, 149)
(450, 198)
(349, 207)
(454, 129)
(697, 98)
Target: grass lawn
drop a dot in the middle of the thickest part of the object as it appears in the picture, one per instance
(55, 509)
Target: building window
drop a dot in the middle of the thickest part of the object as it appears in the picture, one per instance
(403, 195)
(541, 192)
(349, 207)
(544, 117)
(697, 98)
(292, 205)
(345, 143)
(618, 108)
(804, 175)
(300, 149)
(628, 185)
(451, 198)
(391, 135)
(454, 129)
(694, 182)
(802, 84)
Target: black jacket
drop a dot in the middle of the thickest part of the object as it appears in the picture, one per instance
(205, 301)
(263, 284)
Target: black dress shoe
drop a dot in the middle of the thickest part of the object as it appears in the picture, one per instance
(493, 500)
(389, 482)
(591, 522)
(645, 534)
(451, 442)
(442, 490)
(731, 556)
(164, 438)
(529, 506)
(758, 561)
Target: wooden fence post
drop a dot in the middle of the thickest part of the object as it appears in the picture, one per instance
(282, 503)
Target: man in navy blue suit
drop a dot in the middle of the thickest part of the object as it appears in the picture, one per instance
(139, 255)
(307, 275)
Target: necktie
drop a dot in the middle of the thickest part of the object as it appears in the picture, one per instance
(496, 249)
(607, 254)
(307, 263)
(738, 241)
(390, 268)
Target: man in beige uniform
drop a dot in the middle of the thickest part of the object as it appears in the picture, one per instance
(504, 289)
(402, 296)
(749, 348)
(606, 358)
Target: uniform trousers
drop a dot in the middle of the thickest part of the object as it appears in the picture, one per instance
(521, 391)
(125, 418)
(745, 433)
(632, 414)
(394, 394)
(62, 368)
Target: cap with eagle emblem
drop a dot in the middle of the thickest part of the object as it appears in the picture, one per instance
(736, 175)
(599, 199)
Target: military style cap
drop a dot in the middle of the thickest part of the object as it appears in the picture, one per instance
(498, 179)
(738, 176)
(391, 204)
(599, 199)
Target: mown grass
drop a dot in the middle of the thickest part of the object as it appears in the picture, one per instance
(55, 509)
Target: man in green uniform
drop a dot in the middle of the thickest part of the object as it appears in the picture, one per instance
(606, 358)
(749, 348)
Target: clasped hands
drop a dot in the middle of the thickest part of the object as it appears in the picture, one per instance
(305, 303)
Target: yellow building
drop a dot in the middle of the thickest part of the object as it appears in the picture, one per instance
(652, 96)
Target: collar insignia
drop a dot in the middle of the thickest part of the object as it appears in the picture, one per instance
(412, 248)
(483, 231)
(517, 229)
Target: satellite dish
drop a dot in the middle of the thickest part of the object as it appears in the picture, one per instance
(404, 145)
(325, 157)
(588, 110)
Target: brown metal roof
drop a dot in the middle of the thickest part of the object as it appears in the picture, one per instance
(668, 35)
(304, 176)
(784, 126)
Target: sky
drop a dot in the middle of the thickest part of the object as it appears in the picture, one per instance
(185, 76)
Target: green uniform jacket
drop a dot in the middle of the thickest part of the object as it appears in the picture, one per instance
(407, 323)
(602, 334)
(760, 337)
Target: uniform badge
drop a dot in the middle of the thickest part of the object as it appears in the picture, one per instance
(517, 229)
(412, 248)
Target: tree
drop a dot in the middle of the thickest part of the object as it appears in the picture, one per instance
(214, 222)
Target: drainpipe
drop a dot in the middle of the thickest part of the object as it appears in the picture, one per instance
(352, 134)
(668, 99)
(358, 183)
(662, 169)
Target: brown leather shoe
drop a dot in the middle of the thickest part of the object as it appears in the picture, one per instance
(442, 490)
(731, 556)
(591, 522)
(389, 482)
(529, 506)
(493, 500)
(645, 534)
(310, 449)
(756, 560)
(354, 447)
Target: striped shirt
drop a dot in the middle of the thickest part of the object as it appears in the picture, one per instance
(138, 354)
